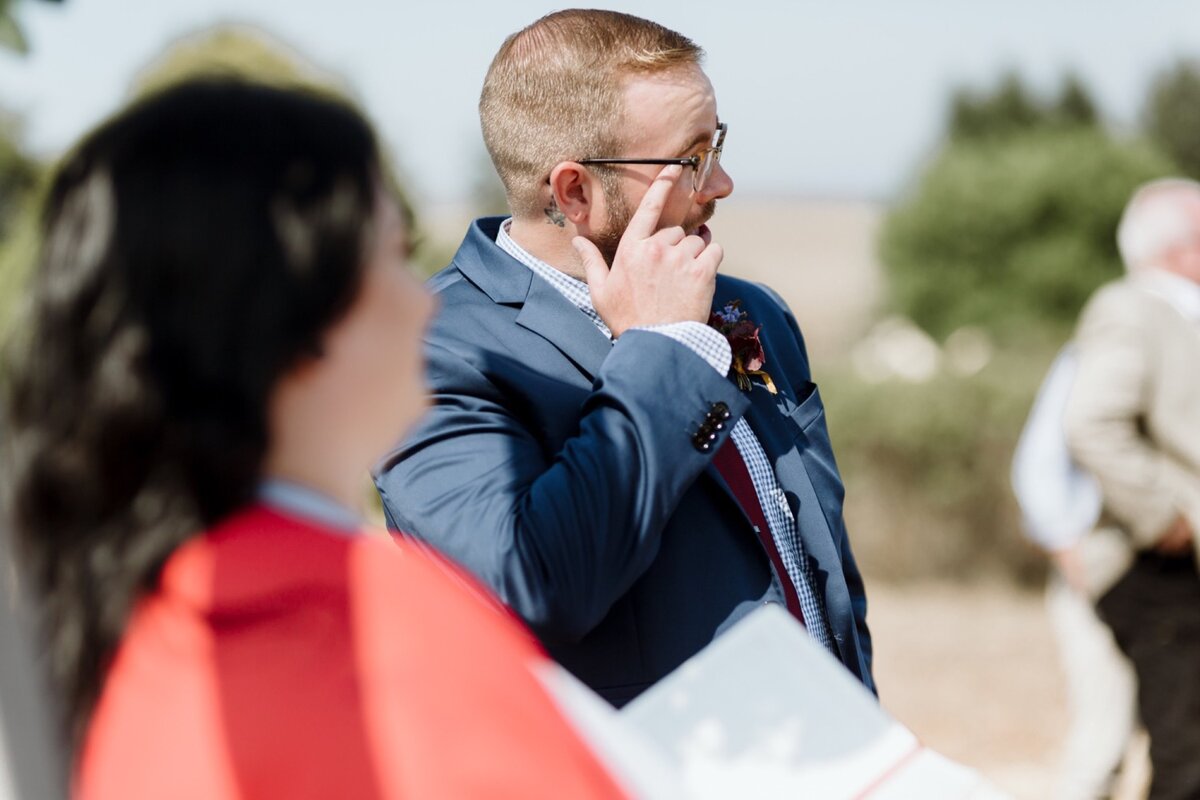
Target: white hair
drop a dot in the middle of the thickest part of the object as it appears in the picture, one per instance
(1160, 215)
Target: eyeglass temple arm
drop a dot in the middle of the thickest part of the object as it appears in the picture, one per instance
(683, 162)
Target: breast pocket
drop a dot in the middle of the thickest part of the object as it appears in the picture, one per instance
(808, 407)
(816, 452)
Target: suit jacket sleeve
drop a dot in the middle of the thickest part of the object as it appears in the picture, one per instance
(559, 536)
(1103, 416)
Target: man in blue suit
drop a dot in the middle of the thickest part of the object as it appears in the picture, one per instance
(626, 447)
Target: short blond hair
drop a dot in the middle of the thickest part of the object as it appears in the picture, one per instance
(554, 93)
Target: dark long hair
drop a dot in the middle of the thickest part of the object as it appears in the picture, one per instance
(194, 248)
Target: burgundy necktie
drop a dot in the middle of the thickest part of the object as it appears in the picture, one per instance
(732, 467)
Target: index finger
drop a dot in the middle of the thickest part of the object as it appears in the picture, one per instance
(644, 221)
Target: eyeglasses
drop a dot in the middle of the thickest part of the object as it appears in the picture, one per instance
(702, 164)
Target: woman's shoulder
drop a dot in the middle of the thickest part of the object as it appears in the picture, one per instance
(399, 572)
(398, 654)
(261, 558)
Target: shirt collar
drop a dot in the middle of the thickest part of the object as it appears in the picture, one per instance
(1177, 290)
(298, 500)
(575, 291)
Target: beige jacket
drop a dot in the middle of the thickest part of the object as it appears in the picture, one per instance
(1133, 417)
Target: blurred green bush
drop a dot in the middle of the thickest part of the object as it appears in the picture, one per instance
(20, 176)
(1172, 114)
(1009, 228)
(926, 469)
(1012, 234)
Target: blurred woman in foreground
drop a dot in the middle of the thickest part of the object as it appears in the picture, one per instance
(224, 337)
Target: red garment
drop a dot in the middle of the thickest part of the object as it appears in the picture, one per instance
(279, 659)
(733, 469)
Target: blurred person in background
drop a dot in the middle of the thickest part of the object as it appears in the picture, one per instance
(1060, 507)
(1133, 421)
(627, 447)
(192, 414)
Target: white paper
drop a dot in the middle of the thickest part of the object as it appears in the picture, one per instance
(763, 711)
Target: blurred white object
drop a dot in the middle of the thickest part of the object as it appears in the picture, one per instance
(897, 348)
(967, 351)
(1060, 503)
(764, 712)
(1101, 696)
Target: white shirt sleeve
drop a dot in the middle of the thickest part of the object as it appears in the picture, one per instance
(708, 343)
(1059, 501)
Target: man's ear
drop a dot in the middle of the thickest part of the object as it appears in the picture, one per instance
(573, 193)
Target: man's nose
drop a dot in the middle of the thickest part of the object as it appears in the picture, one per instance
(718, 185)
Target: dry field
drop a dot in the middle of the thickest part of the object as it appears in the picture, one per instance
(973, 672)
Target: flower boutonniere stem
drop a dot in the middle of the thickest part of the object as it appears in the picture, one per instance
(748, 356)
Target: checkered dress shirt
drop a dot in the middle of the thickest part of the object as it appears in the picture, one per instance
(710, 345)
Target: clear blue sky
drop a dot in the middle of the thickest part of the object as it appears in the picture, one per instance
(823, 98)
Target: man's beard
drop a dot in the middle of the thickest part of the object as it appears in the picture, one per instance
(608, 238)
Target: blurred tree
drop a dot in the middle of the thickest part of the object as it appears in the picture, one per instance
(1075, 105)
(1012, 108)
(1173, 115)
(19, 180)
(1012, 224)
(1013, 234)
(18, 174)
(18, 250)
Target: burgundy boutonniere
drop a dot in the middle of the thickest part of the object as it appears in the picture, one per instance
(748, 356)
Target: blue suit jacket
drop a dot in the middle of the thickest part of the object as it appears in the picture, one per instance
(559, 468)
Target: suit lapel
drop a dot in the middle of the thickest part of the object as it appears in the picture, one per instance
(784, 443)
(544, 310)
(547, 313)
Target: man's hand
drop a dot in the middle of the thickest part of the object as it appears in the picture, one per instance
(657, 276)
(1177, 541)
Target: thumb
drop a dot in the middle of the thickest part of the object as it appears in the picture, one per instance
(594, 265)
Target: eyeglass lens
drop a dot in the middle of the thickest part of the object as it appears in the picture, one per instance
(704, 169)
(708, 160)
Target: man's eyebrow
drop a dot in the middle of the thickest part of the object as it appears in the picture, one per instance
(701, 138)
